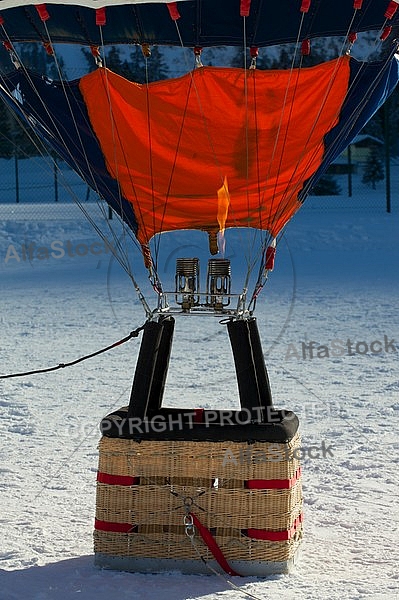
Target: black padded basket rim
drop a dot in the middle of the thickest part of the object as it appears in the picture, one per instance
(160, 427)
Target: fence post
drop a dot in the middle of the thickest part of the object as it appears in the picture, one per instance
(16, 170)
(55, 168)
(387, 157)
(349, 171)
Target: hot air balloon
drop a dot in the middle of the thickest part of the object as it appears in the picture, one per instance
(215, 149)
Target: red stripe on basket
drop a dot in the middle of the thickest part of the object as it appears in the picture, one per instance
(275, 536)
(115, 527)
(117, 479)
(273, 484)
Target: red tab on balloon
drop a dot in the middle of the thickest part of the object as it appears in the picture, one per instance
(305, 47)
(385, 33)
(48, 48)
(173, 11)
(305, 6)
(352, 37)
(391, 10)
(95, 50)
(245, 6)
(42, 12)
(357, 4)
(101, 17)
(270, 256)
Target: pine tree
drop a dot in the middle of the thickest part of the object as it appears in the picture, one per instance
(17, 139)
(133, 67)
(90, 62)
(373, 170)
(113, 60)
(326, 186)
(158, 68)
(35, 58)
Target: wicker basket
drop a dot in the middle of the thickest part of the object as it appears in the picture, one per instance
(188, 490)
(247, 496)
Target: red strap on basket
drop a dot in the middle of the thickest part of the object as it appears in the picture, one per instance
(212, 545)
(273, 484)
(117, 479)
(274, 536)
(114, 527)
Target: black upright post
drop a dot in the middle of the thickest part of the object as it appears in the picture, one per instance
(161, 366)
(143, 377)
(247, 380)
(265, 393)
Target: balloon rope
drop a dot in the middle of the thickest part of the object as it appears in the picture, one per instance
(120, 248)
(117, 141)
(280, 125)
(150, 154)
(216, 161)
(355, 114)
(286, 195)
(251, 258)
(173, 168)
(114, 133)
(60, 136)
(267, 237)
(116, 248)
(250, 249)
(43, 153)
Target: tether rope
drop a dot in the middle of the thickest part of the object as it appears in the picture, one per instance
(220, 575)
(128, 337)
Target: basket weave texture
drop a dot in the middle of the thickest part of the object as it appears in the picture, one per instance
(249, 496)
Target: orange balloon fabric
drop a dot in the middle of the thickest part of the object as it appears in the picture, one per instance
(252, 138)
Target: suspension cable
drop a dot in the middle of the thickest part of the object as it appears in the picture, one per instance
(119, 252)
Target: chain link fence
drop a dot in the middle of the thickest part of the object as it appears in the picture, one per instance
(32, 189)
(29, 188)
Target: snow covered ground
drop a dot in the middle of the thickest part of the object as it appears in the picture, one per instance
(335, 284)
